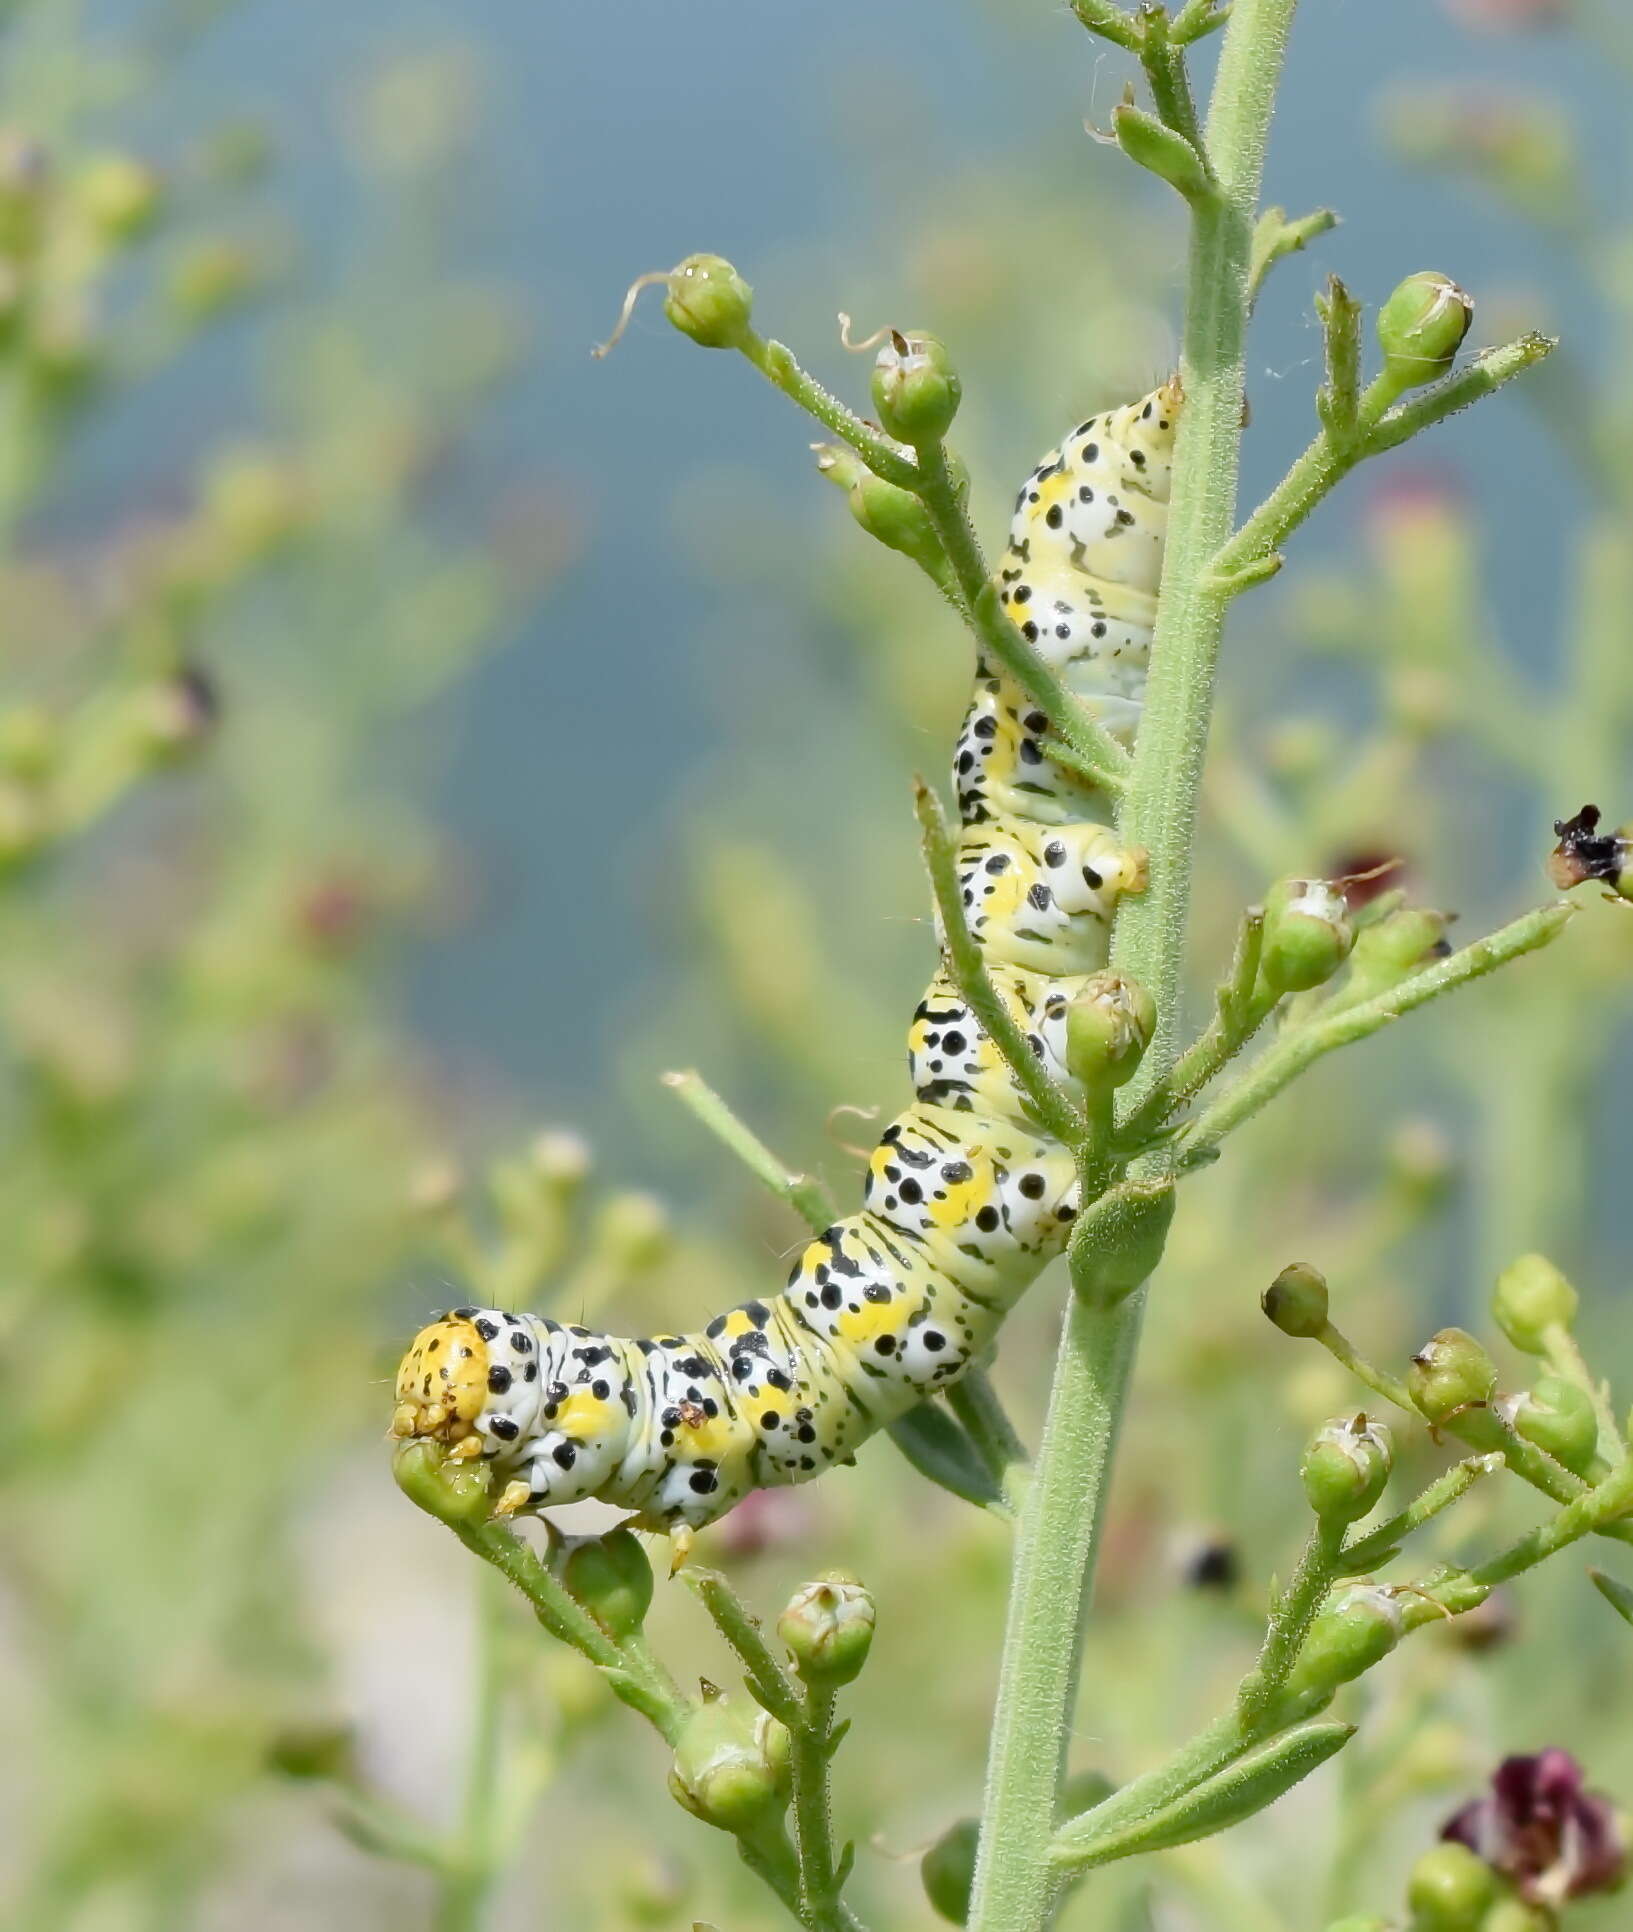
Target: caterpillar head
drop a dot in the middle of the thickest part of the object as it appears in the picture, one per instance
(443, 1383)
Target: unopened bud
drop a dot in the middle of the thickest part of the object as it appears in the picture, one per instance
(731, 1764)
(828, 1628)
(1357, 1629)
(916, 390)
(1393, 948)
(452, 1489)
(1346, 1468)
(1450, 1889)
(948, 1871)
(1449, 1373)
(1296, 1301)
(1108, 1028)
(709, 301)
(1558, 1417)
(1532, 1297)
(1307, 934)
(895, 517)
(1421, 328)
(611, 1576)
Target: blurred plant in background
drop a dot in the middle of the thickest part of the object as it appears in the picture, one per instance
(216, 1178)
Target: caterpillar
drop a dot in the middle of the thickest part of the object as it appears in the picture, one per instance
(965, 1198)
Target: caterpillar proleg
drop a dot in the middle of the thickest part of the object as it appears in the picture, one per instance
(965, 1199)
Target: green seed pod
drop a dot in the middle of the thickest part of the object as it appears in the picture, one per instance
(708, 300)
(895, 517)
(1450, 1372)
(1357, 1629)
(1558, 1417)
(948, 1871)
(611, 1577)
(1307, 934)
(828, 1628)
(731, 1765)
(1393, 948)
(1532, 1297)
(451, 1489)
(1421, 328)
(1296, 1301)
(1514, 1915)
(1108, 1028)
(1449, 1889)
(916, 390)
(1346, 1468)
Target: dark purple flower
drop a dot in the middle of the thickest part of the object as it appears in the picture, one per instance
(1541, 1830)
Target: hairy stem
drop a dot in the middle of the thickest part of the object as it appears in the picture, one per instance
(1015, 1888)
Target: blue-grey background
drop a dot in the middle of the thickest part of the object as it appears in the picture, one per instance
(616, 139)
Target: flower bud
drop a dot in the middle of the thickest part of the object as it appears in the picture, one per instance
(1449, 1889)
(1421, 328)
(1307, 934)
(1296, 1301)
(453, 1490)
(1394, 947)
(828, 1628)
(632, 1234)
(1108, 1028)
(1356, 1630)
(1532, 1297)
(1450, 1372)
(895, 517)
(1346, 1468)
(916, 390)
(561, 1157)
(731, 1765)
(611, 1577)
(1558, 1417)
(119, 196)
(948, 1870)
(709, 301)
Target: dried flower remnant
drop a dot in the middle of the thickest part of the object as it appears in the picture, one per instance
(1585, 853)
(1540, 1829)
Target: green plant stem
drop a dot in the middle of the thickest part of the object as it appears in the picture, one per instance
(1329, 460)
(1290, 1619)
(820, 1875)
(1364, 1552)
(884, 457)
(1015, 1888)
(1303, 1045)
(1095, 750)
(1050, 1103)
(468, 1876)
(807, 1197)
(771, 1685)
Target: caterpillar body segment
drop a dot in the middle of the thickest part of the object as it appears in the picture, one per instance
(965, 1198)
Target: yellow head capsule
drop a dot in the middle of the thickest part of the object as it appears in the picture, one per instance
(443, 1382)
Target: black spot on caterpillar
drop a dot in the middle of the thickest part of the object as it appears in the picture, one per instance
(965, 1201)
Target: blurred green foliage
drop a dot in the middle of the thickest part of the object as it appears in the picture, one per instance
(230, 1183)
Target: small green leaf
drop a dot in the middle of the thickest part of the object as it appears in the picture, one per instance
(939, 1448)
(1617, 1595)
(1159, 148)
(1214, 1806)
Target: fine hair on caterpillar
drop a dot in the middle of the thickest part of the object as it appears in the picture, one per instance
(966, 1197)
